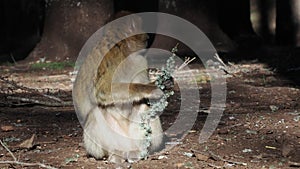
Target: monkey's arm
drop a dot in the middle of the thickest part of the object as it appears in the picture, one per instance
(129, 93)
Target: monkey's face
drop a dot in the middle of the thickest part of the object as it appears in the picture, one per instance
(127, 35)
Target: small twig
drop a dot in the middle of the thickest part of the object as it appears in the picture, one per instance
(224, 67)
(235, 125)
(13, 58)
(214, 166)
(15, 162)
(34, 101)
(185, 63)
(219, 158)
(30, 89)
(216, 56)
(53, 98)
(224, 160)
(8, 150)
(294, 164)
(27, 164)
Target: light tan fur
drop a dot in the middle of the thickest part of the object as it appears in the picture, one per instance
(109, 103)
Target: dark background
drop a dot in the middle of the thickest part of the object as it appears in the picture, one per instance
(267, 30)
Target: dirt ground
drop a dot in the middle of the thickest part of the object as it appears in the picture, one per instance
(260, 127)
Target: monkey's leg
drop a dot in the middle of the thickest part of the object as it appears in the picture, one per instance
(91, 137)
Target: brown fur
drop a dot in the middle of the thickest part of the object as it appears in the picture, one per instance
(109, 113)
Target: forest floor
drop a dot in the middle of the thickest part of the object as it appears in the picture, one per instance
(260, 127)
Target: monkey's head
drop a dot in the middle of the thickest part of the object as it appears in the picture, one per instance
(125, 32)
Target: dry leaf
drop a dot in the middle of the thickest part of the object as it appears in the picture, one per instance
(27, 143)
(7, 128)
(202, 157)
(287, 147)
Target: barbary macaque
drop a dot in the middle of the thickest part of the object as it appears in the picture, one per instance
(112, 91)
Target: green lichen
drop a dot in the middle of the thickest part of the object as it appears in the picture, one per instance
(160, 105)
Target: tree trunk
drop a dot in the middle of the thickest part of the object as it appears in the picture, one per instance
(68, 24)
(234, 19)
(263, 13)
(20, 27)
(201, 13)
(288, 19)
